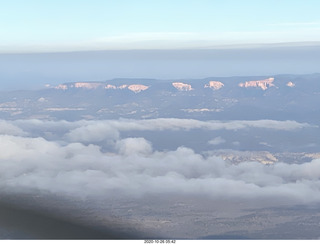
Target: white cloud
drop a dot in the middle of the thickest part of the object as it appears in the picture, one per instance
(217, 140)
(188, 124)
(296, 24)
(90, 131)
(133, 168)
(96, 132)
(131, 146)
(299, 32)
(7, 128)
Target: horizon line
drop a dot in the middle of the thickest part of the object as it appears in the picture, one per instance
(212, 47)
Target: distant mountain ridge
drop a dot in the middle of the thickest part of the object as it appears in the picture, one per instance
(244, 97)
(137, 85)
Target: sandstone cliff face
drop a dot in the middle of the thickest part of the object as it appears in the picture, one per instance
(87, 85)
(262, 157)
(108, 86)
(136, 88)
(61, 87)
(291, 84)
(263, 84)
(182, 86)
(122, 87)
(215, 85)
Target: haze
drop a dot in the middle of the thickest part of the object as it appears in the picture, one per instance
(30, 71)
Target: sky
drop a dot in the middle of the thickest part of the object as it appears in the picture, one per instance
(77, 25)
(53, 42)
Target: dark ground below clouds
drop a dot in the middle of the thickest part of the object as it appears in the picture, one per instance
(151, 216)
(51, 217)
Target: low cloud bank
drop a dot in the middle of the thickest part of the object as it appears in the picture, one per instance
(97, 131)
(65, 165)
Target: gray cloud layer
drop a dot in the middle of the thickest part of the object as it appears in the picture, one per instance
(64, 165)
(95, 131)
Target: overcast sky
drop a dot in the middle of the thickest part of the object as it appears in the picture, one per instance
(43, 25)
